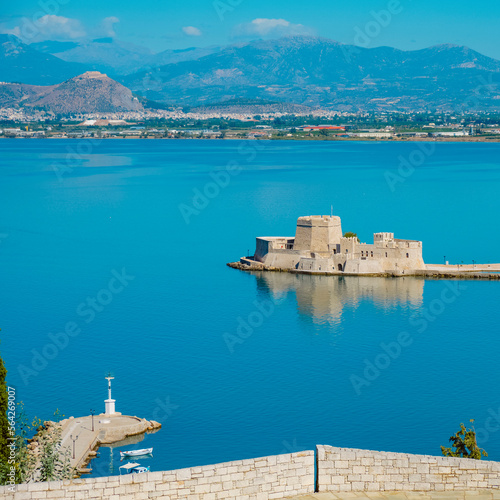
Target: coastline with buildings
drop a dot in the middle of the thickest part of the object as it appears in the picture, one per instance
(320, 247)
(234, 123)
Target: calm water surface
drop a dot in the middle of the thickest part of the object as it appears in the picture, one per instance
(72, 213)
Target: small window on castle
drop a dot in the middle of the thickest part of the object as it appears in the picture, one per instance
(407, 255)
(362, 253)
(386, 254)
(372, 254)
(346, 250)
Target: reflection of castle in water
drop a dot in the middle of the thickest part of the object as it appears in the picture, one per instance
(324, 297)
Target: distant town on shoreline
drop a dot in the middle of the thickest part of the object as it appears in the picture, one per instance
(236, 124)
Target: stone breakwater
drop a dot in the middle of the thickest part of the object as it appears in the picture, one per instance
(94, 432)
(330, 469)
(247, 264)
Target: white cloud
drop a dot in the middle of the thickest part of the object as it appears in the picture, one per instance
(263, 27)
(48, 27)
(16, 31)
(52, 27)
(107, 26)
(191, 31)
(59, 27)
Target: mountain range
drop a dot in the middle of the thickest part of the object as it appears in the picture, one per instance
(24, 64)
(117, 58)
(320, 72)
(303, 70)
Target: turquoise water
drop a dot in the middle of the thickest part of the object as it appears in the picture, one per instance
(178, 336)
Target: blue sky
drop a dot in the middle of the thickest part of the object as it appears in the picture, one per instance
(167, 24)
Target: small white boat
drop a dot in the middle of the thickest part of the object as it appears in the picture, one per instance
(133, 468)
(136, 453)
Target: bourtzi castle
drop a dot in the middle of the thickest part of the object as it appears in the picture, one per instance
(319, 246)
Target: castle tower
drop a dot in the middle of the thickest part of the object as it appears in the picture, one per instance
(318, 233)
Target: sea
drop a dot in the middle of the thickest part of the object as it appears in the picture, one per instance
(113, 260)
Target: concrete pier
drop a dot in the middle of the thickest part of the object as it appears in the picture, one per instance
(464, 268)
(108, 429)
(432, 271)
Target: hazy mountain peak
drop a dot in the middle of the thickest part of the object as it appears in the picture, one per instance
(6, 37)
(90, 92)
(22, 63)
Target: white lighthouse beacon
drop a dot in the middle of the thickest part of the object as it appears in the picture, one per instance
(109, 403)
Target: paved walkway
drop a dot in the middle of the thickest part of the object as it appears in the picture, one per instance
(77, 433)
(404, 495)
(79, 430)
(464, 267)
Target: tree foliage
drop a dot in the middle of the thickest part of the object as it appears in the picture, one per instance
(38, 458)
(464, 444)
(36, 454)
(351, 235)
(24, 461)
(54, 463)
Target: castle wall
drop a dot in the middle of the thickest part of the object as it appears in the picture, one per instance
(279, 476)
(263, 478)
(283, 259)
(316, 265)
(261, 249)
(267, 245)
(385, 255)
(344, 469)
(368, 266)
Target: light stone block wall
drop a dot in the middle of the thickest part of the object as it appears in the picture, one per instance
(283, 259)
(264, 478)
(279, 476)
(316, 233)
(344, 469)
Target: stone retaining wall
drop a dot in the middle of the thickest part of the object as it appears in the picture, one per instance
(344, 469)
(279, 476)
(264, 478)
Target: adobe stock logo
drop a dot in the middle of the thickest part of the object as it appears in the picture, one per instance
(202, 197)
(264, 309)
(407, 165)
(390, 352)
(164, 409)
(222, 7)
(364, 36)
(88, 310)
(491, 426)
(380, 20)
(31, 27)
(220, 180)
